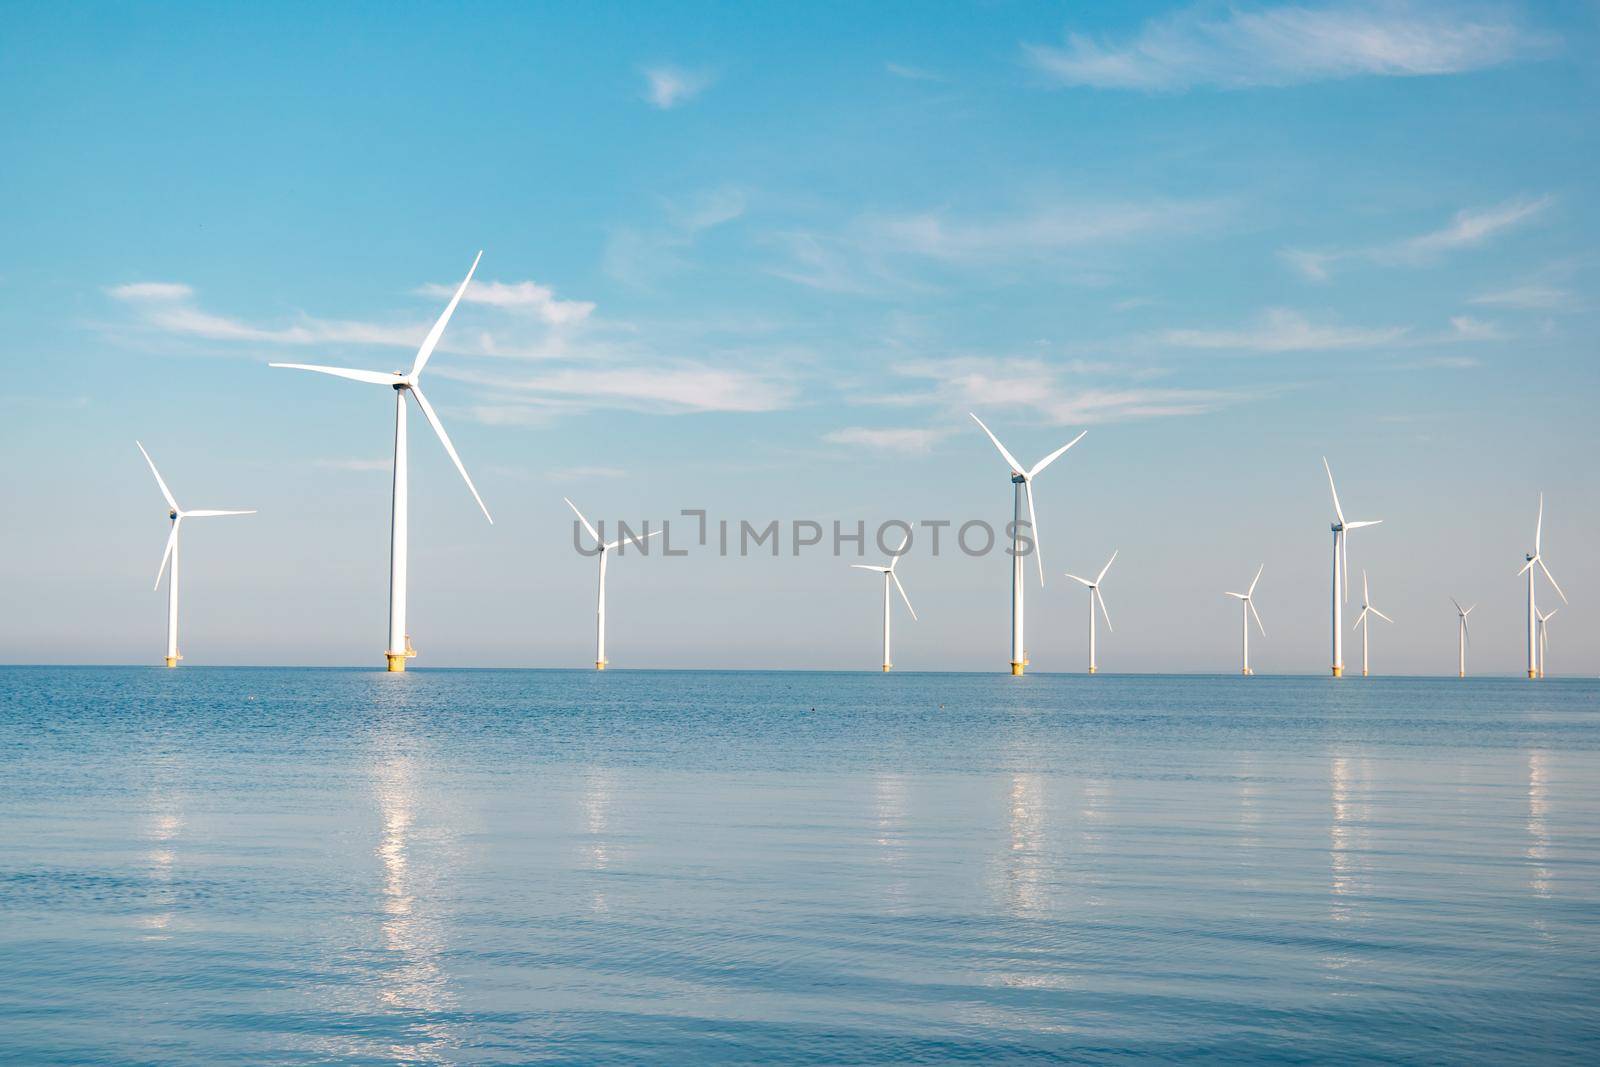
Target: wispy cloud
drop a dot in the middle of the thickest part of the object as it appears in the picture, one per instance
(1526, 298)
(531, 297)
(682, 388)
(1235, 47)
(641, 257)
(916, 74)
(1283, 330)
(1469, 228)
(904, 441)
(151, 291)
(170, 308)
(1050, 391)
(668, 86)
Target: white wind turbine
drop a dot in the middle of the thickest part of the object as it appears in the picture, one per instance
(1365, 622)
(400, 649)
(1533, 611)
(1247, 608)
(1022, 485)
(1096, 597)
(177, 515)
(1341, 569)
(605, 549)
(1544, 636)
(888, 576)
(1461, 638)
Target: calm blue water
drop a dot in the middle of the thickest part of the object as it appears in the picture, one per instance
(274, 866)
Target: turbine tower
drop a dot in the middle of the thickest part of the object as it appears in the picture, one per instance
(605, 549)
(1247, 608)
(1536, 556)
(888, 576)
(1365, 622)
(1544, 636)
(176, 515)
(1022, 486)
(399, 649)
(1096, 597)
(1341, 569)
(1461, 638)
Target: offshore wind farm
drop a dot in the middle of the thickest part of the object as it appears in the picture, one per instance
(731, 714)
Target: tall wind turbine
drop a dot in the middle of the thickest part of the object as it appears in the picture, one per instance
(177, 515)
(400, 649)
(1533, 611)
(1461, 638)
(1544, 636)
(888, 576)
(1364, 620)
(1096, 597)
(1341, 569)
(605, 549)
(1247, 608)
(1022, 485)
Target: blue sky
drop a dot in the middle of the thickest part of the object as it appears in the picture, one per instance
(764, 262)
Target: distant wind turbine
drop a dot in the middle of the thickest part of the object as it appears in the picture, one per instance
(400, 649)
(888, 576)
(1461, 638)
(1096, 597)
(1247, 608)
(1534, 557)
(1341, 569)
(177, 515)
(1365, 622)
(1544, 636)
(605, 549)
(1022, 485)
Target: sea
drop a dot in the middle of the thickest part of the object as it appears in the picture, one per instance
(297, 866)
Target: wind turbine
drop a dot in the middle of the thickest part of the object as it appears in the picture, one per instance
(1247, 608)
(1022, 485)
(1533, 610)
(605, 548)
(1095, 596)
(400, 649)
(1461, 638)
(1365, 622)
(177, 515)
(1341, 568)
(1544, 636)
(888, 576)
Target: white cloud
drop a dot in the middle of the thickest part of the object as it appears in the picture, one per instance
(905, 441)
(1038, 388)
(539, 300)
(642, 257)
(683, 388)
(1236, 47)
(151, 291)
(1282, 330)
(1526, 298)
(1466, 328)
(1044, 229)
(668, 86)
(1469, 228)
(916, 74)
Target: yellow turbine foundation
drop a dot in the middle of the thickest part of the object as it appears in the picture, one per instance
(1247, 672)
(887, 667)
(599, 664)
(1532, 673)
(397, 661)
(1016, 668)
(172, 661)
(1338, 672)
(1091, 670)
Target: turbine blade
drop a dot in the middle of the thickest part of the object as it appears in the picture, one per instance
(1107, 567)
(164, 490)
(1081, 581)
(372, 377)
(1033, 523)
(1052, 457)
(1366, 595)
(172, 542)
(1359, 619)
(1100, 599)
(1251, 604)
(1526, 565)
(1253, 581)
(1337, 510)
(902, 589)
(1382, 616)
(211, 514)
(1364, 522)
(1236, 596)
(1540, 560)
(426, 351)
(585, 521)
(870, 567)
(1457, 603)
(1538, 528)
(1016, 467)
(895, 557)
(444, 439)
(634, 539)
